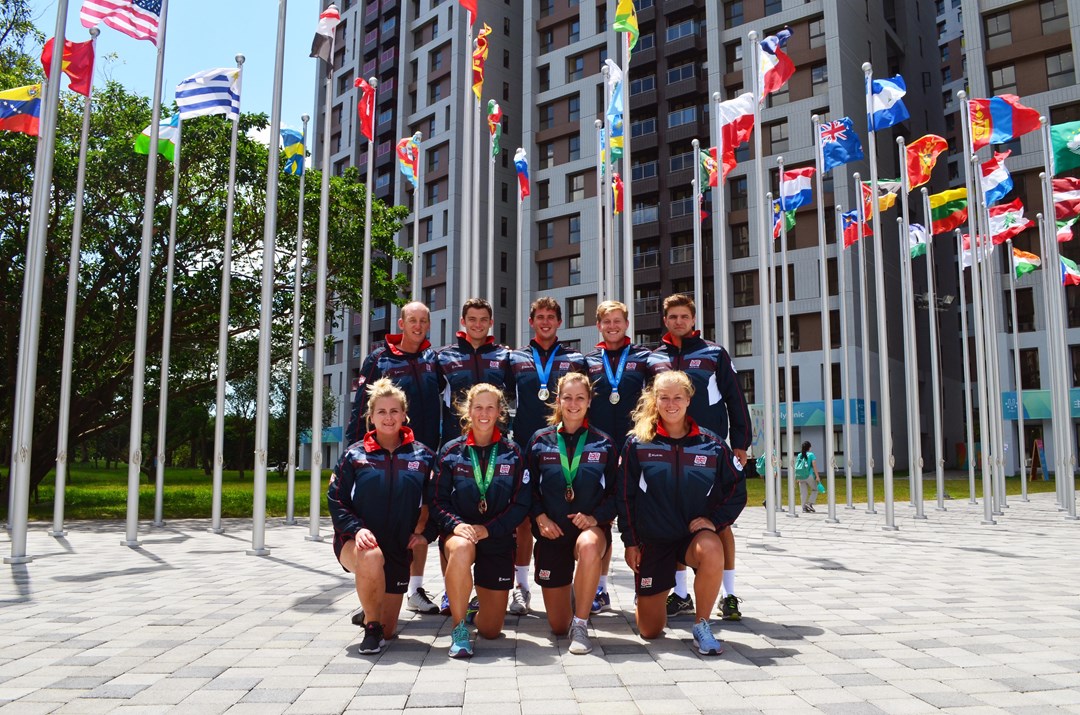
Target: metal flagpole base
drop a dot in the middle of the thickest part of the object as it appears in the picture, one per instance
(832, 521)
(58, 534)
(1025, 500)
(940, 508)
(771, 533)
(850, 507)
(131, 544)
(158, 524)
(217, 531)
(290, 522)
(973, 501)
(18, 559)
(988, 522)
(871, 511)
(793, 515)
(1070, 517)
(919, 517)
(890, 528)
(309, 537)
(998, 513)
(265, 551)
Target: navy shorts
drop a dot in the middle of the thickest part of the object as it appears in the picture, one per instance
(554, 558)
(494, 565)
(656, 572)
(395, 564)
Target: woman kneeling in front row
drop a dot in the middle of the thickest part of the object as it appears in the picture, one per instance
(376, 498)
(572, 468)
(678, 487)
(481, 494)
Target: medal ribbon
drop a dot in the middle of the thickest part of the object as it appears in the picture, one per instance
(544, 371)
(615, 379)
(570, 469)
(483, 480)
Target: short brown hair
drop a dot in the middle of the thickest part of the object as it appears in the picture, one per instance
(678, 301)
(545, 302)
(610, 306)
(475, 304)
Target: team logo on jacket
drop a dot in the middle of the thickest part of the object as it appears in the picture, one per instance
(593, 457)
(414, 466)
(695, 363)
(700, 460)
(631, 366)
(544, 575)
(493, 363)
(564, 366)
(646, 582)
(504, 469)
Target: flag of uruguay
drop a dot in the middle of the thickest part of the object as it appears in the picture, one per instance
(215, 91)
(886, 103)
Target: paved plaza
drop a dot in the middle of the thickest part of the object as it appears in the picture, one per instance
(945, 614)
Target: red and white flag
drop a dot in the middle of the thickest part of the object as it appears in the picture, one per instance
(1066, 197)
(366, 108)
(1007, 221)
(736, 125)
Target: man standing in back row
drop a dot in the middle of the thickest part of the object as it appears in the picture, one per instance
(536, 370)
(717, 405)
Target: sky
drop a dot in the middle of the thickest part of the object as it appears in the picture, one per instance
(204, 34)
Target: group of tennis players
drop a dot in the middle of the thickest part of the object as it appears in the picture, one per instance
(623, 434)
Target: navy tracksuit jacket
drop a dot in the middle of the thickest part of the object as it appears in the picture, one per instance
(532, 412)
(594, 484)
(638, 373)
(460, 366)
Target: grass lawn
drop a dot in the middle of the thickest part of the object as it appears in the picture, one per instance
(102, 494)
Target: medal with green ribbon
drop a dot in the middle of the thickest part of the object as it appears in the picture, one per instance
(570, 468)
(483, 478)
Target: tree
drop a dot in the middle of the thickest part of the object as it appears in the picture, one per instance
(111, 240)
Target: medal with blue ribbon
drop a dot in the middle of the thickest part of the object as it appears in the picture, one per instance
(543, 372)
(616, 378)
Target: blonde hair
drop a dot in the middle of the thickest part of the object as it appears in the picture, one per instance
(385, 387)
(568, 379)
(646, 413)
(610, 306)
(464, 405)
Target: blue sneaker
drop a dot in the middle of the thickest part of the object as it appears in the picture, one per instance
(602, 602)
(704, 639)
(460, 646)
(444, 607)
(472, 610)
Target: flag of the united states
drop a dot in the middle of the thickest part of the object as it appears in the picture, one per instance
(215, 91)
(135, 18)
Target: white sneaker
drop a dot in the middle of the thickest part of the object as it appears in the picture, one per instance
(519, 602)
(579, 639)
(420, 603)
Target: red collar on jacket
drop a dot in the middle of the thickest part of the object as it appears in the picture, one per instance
(463, 338)
(603, 345)
(693, 334)
(393, 342)
(372, 445)
(693, 432)
(584, 426)
(554, 346)
(495, 437)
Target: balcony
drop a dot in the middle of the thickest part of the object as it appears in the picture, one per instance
(647, 306)
(682, 254)
(671, 6)
(646, 214)
(647, 260)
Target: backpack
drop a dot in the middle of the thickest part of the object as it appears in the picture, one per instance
(803, 470)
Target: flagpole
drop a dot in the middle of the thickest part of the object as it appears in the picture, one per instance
(980, 367)
(139, 371)
(491, 221)
(64, 419)
(935, 357)
(520, 277)
(166, 336)
(628, 190)
(262, 400)
(882, 331)
(911, 341)
(1069, 456)
(466, 258)
(474, 275)
(786, 342)
(1016, 371)
(991, 291)
(864, 326)
(720, 261)
(845, 371)
(418, 200)
(969, 416)
(1052, 357)
(223, 331)
(607, 171)
(826, 324)
(772, 337)
(601, 205)
(763, 290)
(294, 374)
(699, 279)
(365, 320)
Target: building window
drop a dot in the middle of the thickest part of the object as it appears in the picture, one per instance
(601, 18)
(817, 32)
(778, 137)
(547, 39)
(744, 338)
(546, 158)
(575, 31)
(1003, 80)
(643, 170)
(773, 6)
(575, 68)
(431, 264)
(574, 109)
(682, 204)
(432, 194)
(546, 7)
(506, 59)
(737, 190)
(436, 60)
(1030, 378)
(642, 84)
(686, 28)
(543, 193)
(1055, 16)
(545, 235)
(681, 116)
(819, 79)
(645, 42)
(547, 116)
(575, 187)
(543, 76)
(733, 13)
(575, 230)
(431, 298)
(1074, 355)
(575, 271)
(677, 74)
(746, 384)
(744, 289)
(576, 310)
(780, 346)
(740, 241)
(644, 213)
(1025, 310)
(682, 161)
(998, 30)
(1059, 70)
(643, 127)
(546, 271)
(502, 297)
(781, 384)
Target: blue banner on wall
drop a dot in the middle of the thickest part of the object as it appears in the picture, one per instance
(330, 435)
(1037, 404)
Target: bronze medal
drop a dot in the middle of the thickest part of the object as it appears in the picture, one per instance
(569, 494)
(482, 506)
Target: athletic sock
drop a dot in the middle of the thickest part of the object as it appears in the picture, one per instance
(415, 582)
(603, 582)
(729, 582)
(522, 577)
(580, 621)
(680, 584)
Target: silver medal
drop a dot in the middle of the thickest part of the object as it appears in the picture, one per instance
(614, 399)
(543, 394)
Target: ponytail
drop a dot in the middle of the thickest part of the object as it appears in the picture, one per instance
(805, 449)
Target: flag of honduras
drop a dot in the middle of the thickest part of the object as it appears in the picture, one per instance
(886, 103)
(795, 188)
